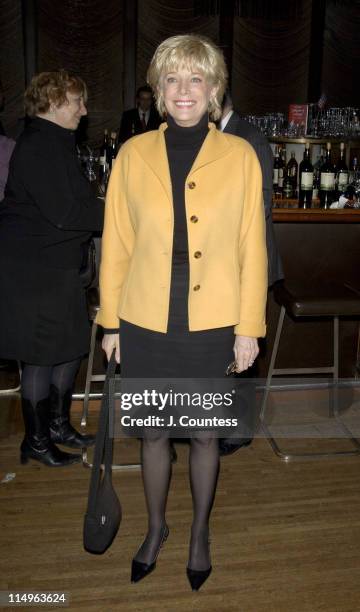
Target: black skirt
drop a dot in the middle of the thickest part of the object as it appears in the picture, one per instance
(43, 313)
(179, 352)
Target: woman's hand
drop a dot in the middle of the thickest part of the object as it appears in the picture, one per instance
(246, 350)
(110, 342)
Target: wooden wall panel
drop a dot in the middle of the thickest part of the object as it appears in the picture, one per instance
(270, 62)
(341, 60)
(87, 38)
(11, 63)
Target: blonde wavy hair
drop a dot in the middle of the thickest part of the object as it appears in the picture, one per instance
(197, 53)
(49, 88)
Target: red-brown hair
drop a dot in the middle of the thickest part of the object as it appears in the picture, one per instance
(51, 88)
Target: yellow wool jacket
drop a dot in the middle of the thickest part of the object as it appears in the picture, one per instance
(226, 237)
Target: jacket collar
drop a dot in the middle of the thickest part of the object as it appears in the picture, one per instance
(51, 128)
(152, 149)
(231, 123)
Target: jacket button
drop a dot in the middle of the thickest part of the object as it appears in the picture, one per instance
(197, 254)
(194, 219)
(196, 288)
(191, 185)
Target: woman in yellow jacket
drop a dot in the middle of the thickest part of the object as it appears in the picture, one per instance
(183, 268)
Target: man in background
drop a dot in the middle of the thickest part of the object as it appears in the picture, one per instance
(141, 119)
(232, 123)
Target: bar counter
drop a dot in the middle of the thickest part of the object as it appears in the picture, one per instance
(315, 245)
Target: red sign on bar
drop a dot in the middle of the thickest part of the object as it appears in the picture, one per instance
(298, 115)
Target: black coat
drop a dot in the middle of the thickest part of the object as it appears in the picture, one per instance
(131, 124)
(239, 127)
(48, 212)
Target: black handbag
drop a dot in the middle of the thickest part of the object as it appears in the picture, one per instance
(87, 270)
(103, 514)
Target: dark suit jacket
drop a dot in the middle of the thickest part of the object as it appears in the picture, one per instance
(239, 127)
(131, 124)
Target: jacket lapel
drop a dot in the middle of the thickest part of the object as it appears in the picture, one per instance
(214, 146)
(153, 150)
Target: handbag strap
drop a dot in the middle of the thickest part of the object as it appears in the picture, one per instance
(109, 439)
(103, 443)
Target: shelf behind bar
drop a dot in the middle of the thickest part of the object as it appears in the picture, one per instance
(292, 202)
(350, 141)
(315, 215)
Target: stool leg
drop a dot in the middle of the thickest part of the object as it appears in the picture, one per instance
(272, 362)
(357, 365)
(317, 455)
(334, 391)
(277, 450)
(85, 460)
(88, 375)
(115, 466)
(334, 404)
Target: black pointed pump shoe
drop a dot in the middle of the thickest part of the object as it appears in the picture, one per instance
(197, 577)
(139, 570)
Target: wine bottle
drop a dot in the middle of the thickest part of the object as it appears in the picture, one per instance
(105, 144)
(103, 173)
(306, 179)
(288, 192)
(112, 150)
(316, 186)
(342, 172)
(327, 180)
(103, 165)
(276, 170)
(292, 171)
(319, 162)
(280, 187)
(354, 171)
(327, 201)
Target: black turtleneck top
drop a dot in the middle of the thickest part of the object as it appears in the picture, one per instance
(182, 145)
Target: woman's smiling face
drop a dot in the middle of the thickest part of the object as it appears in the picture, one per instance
(186, 94)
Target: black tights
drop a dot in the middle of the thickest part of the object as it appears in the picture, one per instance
(36, 380)
(156, 472)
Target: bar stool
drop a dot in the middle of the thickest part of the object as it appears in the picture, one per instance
(329, 300)
(93, 302)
